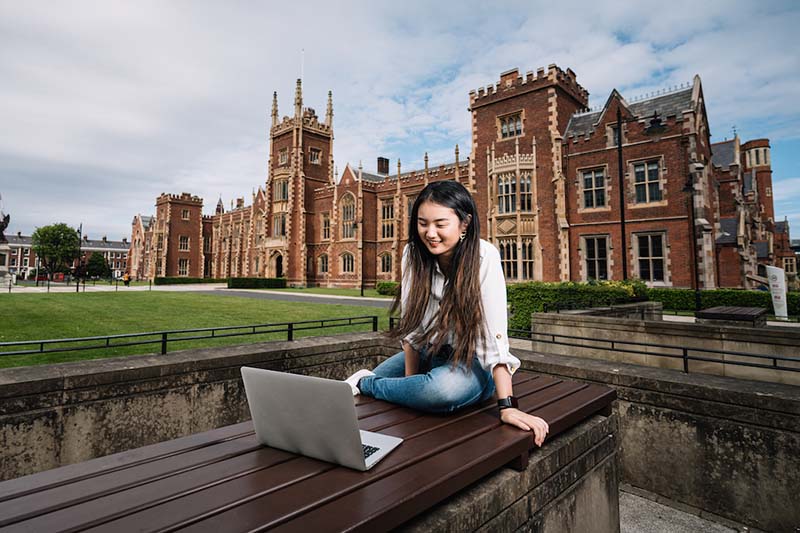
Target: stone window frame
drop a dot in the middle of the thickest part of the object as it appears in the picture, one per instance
(508, 263)
(279, 225)
(185, 214)
(183, 243)
(386, 262)
(790, 265)
(283, 157)
(183, 266)
(528, 259)
(322, 264)
(348, 225)
(631, 182)
(526, 192)
(611, 135)
(280, 190)
(665, 250)
(515, 119)
(584, 259)
(387, 222)
(347, 263)
(579, 189)
(315, 156)
(325, 226)
(507, 193)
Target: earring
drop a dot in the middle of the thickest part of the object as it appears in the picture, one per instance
(463, 236)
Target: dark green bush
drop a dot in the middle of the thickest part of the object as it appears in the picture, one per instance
(388, 288)
(537, 296)
(185, 281)
(256, 283)
(683, 299)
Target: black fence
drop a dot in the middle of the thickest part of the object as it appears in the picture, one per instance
(164, 338)
(684, 353)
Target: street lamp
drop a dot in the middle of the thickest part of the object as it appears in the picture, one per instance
(689, 188)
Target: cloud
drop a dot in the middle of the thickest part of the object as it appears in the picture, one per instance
(110, 104)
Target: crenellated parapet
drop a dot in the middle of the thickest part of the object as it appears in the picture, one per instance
(512, 83)
(183, 197)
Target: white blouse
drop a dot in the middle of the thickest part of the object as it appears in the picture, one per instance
(493, 297)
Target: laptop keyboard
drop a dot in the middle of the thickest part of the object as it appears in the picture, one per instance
(369, 450)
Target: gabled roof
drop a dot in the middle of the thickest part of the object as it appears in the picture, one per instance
(667, 105)
(727, 234)
(723, 154)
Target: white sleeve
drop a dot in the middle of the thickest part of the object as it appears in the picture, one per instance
(495, 314)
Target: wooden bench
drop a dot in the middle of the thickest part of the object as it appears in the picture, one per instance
(223, 480)
(732, 315)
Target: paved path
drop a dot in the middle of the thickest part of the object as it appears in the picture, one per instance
(383, 303)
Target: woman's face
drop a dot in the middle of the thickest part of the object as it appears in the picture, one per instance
(439, 228)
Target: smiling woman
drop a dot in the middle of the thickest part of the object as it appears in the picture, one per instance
(453, 322)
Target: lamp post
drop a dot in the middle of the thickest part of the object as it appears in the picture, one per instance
(689, 188)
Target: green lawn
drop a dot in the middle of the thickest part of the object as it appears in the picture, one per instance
(57, 316)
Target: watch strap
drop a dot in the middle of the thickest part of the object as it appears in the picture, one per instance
(505, 403)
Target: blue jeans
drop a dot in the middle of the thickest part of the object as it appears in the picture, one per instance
(443, 389)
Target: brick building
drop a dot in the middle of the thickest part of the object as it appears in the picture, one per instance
(546, 174)
(22, 259)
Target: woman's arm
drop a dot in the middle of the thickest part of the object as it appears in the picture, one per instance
(412, 359)
(515, 417)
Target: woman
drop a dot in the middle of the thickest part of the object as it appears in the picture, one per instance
(453, 317)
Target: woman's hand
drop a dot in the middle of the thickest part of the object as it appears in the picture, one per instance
(523, 420)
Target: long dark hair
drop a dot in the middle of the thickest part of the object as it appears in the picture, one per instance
(461, 310)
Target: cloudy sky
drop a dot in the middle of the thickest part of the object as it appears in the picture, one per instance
(105, 105)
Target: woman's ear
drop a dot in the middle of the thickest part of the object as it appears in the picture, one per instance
(465, 223)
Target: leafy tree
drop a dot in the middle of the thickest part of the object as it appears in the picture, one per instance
(98, 266)
(57, 245)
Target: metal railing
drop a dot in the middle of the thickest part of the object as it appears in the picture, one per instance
(163, 338)
(683, 353)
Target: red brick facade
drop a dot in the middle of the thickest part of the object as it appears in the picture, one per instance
(545, 174)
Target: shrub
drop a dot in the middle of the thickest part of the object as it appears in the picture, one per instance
(388, 288)
(683, 299)
(256, 283)
(537, 296)
(184, 281)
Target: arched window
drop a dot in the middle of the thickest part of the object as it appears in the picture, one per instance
(348, 210)
(348, 263)
(525, 193)
(323, 263)
(386, 263)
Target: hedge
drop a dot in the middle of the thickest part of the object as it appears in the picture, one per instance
(256, 283)
(184, 281)
(683, 299)
(388, 288)
(537, 296)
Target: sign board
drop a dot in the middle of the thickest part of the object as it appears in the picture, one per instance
(777, 288)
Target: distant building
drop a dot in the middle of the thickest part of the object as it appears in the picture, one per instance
(546, 176)
(23, 260)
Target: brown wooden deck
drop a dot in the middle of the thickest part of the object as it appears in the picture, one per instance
(223, 480)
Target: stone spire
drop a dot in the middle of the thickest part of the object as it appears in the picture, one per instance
(329, 111)
(426, 169)
(274, 109)
(298, 99)
(456, 169)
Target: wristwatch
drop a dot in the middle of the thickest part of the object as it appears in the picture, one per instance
(505, 403)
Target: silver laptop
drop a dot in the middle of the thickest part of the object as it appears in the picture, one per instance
(312, 416)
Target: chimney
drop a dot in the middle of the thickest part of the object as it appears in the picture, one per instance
(239, 203)
(19, 234)
(105, 239)
(86, 238)
(383, 166)
(124, 240)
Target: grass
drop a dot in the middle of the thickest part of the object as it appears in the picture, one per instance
(68, 315)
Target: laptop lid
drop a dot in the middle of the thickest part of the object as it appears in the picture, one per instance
(311, 416)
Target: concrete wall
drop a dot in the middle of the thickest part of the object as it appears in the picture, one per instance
(602, 331)
(571, 484)
(728, 446)
(56, 415)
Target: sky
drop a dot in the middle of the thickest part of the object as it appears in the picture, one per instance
(105, 105)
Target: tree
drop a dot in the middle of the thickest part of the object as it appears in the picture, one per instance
(98, 266)
(57, 245)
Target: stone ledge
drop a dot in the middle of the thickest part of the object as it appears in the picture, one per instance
(508, 500)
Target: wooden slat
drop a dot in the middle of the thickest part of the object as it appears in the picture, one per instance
(69, 474)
